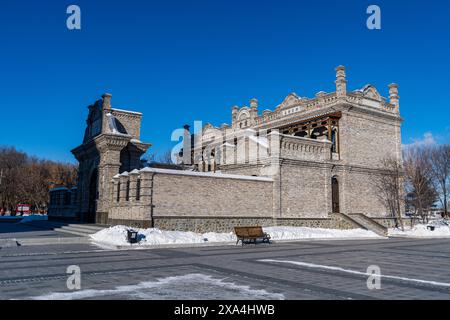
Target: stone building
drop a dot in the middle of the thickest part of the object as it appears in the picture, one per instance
(110, 145)
(308, 162)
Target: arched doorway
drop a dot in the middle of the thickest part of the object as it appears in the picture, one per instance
(335, 194)
(93, 197)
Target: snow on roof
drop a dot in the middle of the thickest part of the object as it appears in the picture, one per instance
(127, 111)
(112, 124)
(363, 88)
(261, 141)
(206, 174)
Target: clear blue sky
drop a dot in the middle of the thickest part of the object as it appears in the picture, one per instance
(180, 61)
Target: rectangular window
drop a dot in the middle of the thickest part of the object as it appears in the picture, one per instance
(127, 196)
(138, 189)
(118, 192)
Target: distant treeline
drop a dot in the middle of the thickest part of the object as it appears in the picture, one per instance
(26, 179)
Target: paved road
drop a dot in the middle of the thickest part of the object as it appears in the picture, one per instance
(232, 272)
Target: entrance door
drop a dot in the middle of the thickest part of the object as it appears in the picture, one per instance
(93, 197)
(335, 194)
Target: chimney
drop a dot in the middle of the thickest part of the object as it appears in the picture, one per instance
(106, 101)
(393, 95)
(341, 82)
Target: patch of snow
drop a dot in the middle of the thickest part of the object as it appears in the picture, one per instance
(193, 286)
(117, 235)
(127, 111)
(294, 233)
(112, 123)
(206, 174)
(227, 144)
(441, 229)
(260, 141)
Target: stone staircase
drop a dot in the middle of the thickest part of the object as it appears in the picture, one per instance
(77, 229)
(83, 230)
(368, 223)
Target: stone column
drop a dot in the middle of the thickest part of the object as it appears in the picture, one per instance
(115, 190)
(124, 178)
(108, 168)
(134, 175)
(146, 188)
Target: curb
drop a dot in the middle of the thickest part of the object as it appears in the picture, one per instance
(419, 237)
(43, 241)
(219, 244)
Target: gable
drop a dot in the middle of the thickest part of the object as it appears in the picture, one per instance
(290, 100)
(371, 93)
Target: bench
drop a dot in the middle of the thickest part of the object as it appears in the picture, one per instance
(251, 234)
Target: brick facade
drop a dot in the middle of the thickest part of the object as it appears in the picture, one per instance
(318, 160)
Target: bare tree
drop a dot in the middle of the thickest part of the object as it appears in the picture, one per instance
(165, 158)
(27, 179)
(440, 170)
(389, 187)
(419, 181)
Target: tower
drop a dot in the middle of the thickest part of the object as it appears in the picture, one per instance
(110, 146)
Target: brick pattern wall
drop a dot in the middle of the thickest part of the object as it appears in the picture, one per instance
(168, 195)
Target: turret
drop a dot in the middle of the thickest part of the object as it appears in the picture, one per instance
(394, 98)
(341, 82)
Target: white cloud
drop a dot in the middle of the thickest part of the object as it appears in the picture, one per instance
(427, 140)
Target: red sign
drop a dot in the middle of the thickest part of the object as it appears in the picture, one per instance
(23, 208)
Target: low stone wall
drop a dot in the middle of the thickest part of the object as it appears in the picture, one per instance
(130, 223)
(141, 195)
(209, 224)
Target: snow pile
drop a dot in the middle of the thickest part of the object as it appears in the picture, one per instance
(117, 235)
(292, 233)
(441, 229)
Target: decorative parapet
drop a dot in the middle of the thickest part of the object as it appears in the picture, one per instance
(298, 148)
